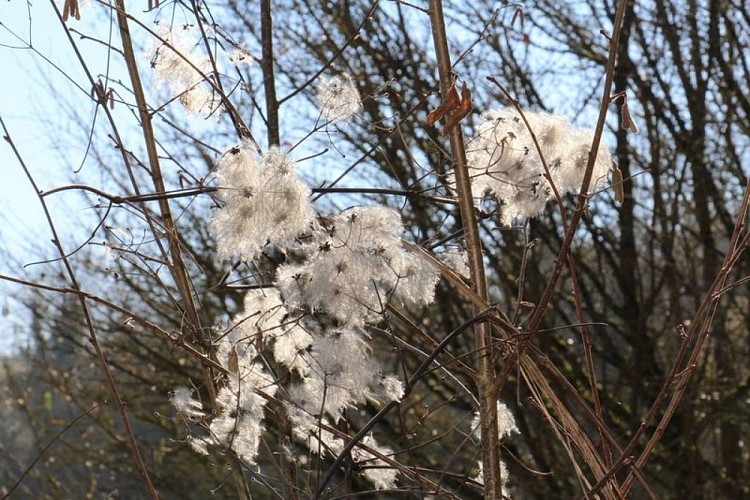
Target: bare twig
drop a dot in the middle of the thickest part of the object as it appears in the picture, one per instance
(93, 337)
(335, 56)
(117, 199)
(583, 192)
(41, 453)
(700, 328)
(409, 387)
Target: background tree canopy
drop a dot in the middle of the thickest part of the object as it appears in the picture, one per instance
(646, 268)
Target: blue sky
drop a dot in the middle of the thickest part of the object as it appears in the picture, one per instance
(21, 103)
(33, 93)
(21, 215)
(37, 102)
(32, 114)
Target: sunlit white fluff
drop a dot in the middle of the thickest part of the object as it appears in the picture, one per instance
(264, 202)
(338, 98)
(504, 161)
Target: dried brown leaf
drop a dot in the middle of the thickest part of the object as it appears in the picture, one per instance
(234, 361)
(627, 120)
(451, 102)
(70, 8)
(463, 109)
(617, 185)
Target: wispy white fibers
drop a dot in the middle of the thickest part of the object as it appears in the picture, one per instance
(264, 202)
(355, 264)
(504, 162)
(338, 98)
(178, 65)
(506, 425)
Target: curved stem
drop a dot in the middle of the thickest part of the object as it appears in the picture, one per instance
(93, 338)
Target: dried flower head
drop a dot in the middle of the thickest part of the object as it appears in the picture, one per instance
(240, 56)
(504, 161)
(264, 201)
(355, 265)
(506, 425)
(186, 405)
(176, 63)
(338, 98)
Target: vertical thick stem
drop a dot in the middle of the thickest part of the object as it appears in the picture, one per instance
(288, 466)
(485, 377)
(272, 104)
(177, 266)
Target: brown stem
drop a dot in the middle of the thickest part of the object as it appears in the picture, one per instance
(541, 307)
(588, 354)
(269, 82)
(485, 376)
(572, 226)
(586, 341)
(93, 337)
(177, 267)
(625, 455)
(288, 464)
(703, 320)
(195, 191)
(239, 125)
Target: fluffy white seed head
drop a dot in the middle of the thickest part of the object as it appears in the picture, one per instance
(338, 98)
(260, 320)
(505, 163)
(376, 470)
(506, 425)
(177, 64)
(506, 422)
(264, 202)
(240, 56)
(290, 345)
(186, 405)
(457, 259)
(355, 265)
